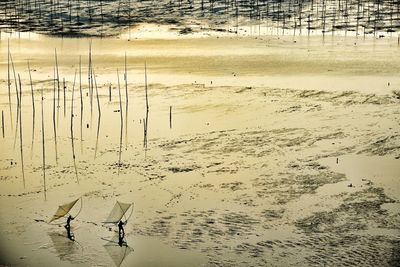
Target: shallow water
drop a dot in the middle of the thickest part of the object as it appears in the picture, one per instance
(359, 169)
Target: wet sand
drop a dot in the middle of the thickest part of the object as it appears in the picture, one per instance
(267, 135)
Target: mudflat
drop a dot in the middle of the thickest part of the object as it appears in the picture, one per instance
(274, 150)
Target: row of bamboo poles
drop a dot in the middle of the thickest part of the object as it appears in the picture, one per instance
(72, 17)
(93, 93)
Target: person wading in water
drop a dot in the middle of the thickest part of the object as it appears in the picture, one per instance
(121, 233)
(68, 227)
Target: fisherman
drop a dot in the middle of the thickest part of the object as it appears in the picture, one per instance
(69, 219)
(121, 233)
(68, 227)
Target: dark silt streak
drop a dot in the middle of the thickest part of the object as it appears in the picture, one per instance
(43, 150)
(122, 124)
(72, 130)
(33, 109)
(20, 132)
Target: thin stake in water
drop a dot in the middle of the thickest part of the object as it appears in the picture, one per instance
(9, 84)
(18, 103)
(72, 130)
(170, 117)
(33, 109)
(80, 91)
(20, 132)
(99, 115)
(122, 124)
(43, 151)
(126, 104)
(54, 114)
(146, 121)
(2, 122)
(145, 81)
(64, 87)
(90, 80)
(144, 132)
(58, 86)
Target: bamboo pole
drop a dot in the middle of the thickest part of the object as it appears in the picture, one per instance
(90, 81)
(170, 117)
(144, 132)
(9, 84)
(2, 122)
(72, 130)
(122, 124)
(20, 131)
(145, 81)
(146, 122)
(17, 95)
(16, 84)
(80, 91)
(97, 136)
(126, 81)
(33, 109)
(54, 114)
(126, 104)
(58, 85)
(64, 87)
(97, 93)
(43, 150)
(99, 115)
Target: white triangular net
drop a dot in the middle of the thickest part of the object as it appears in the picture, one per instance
(117, 212)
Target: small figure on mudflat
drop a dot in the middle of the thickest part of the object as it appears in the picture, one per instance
(121, 232)
(68, 227)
